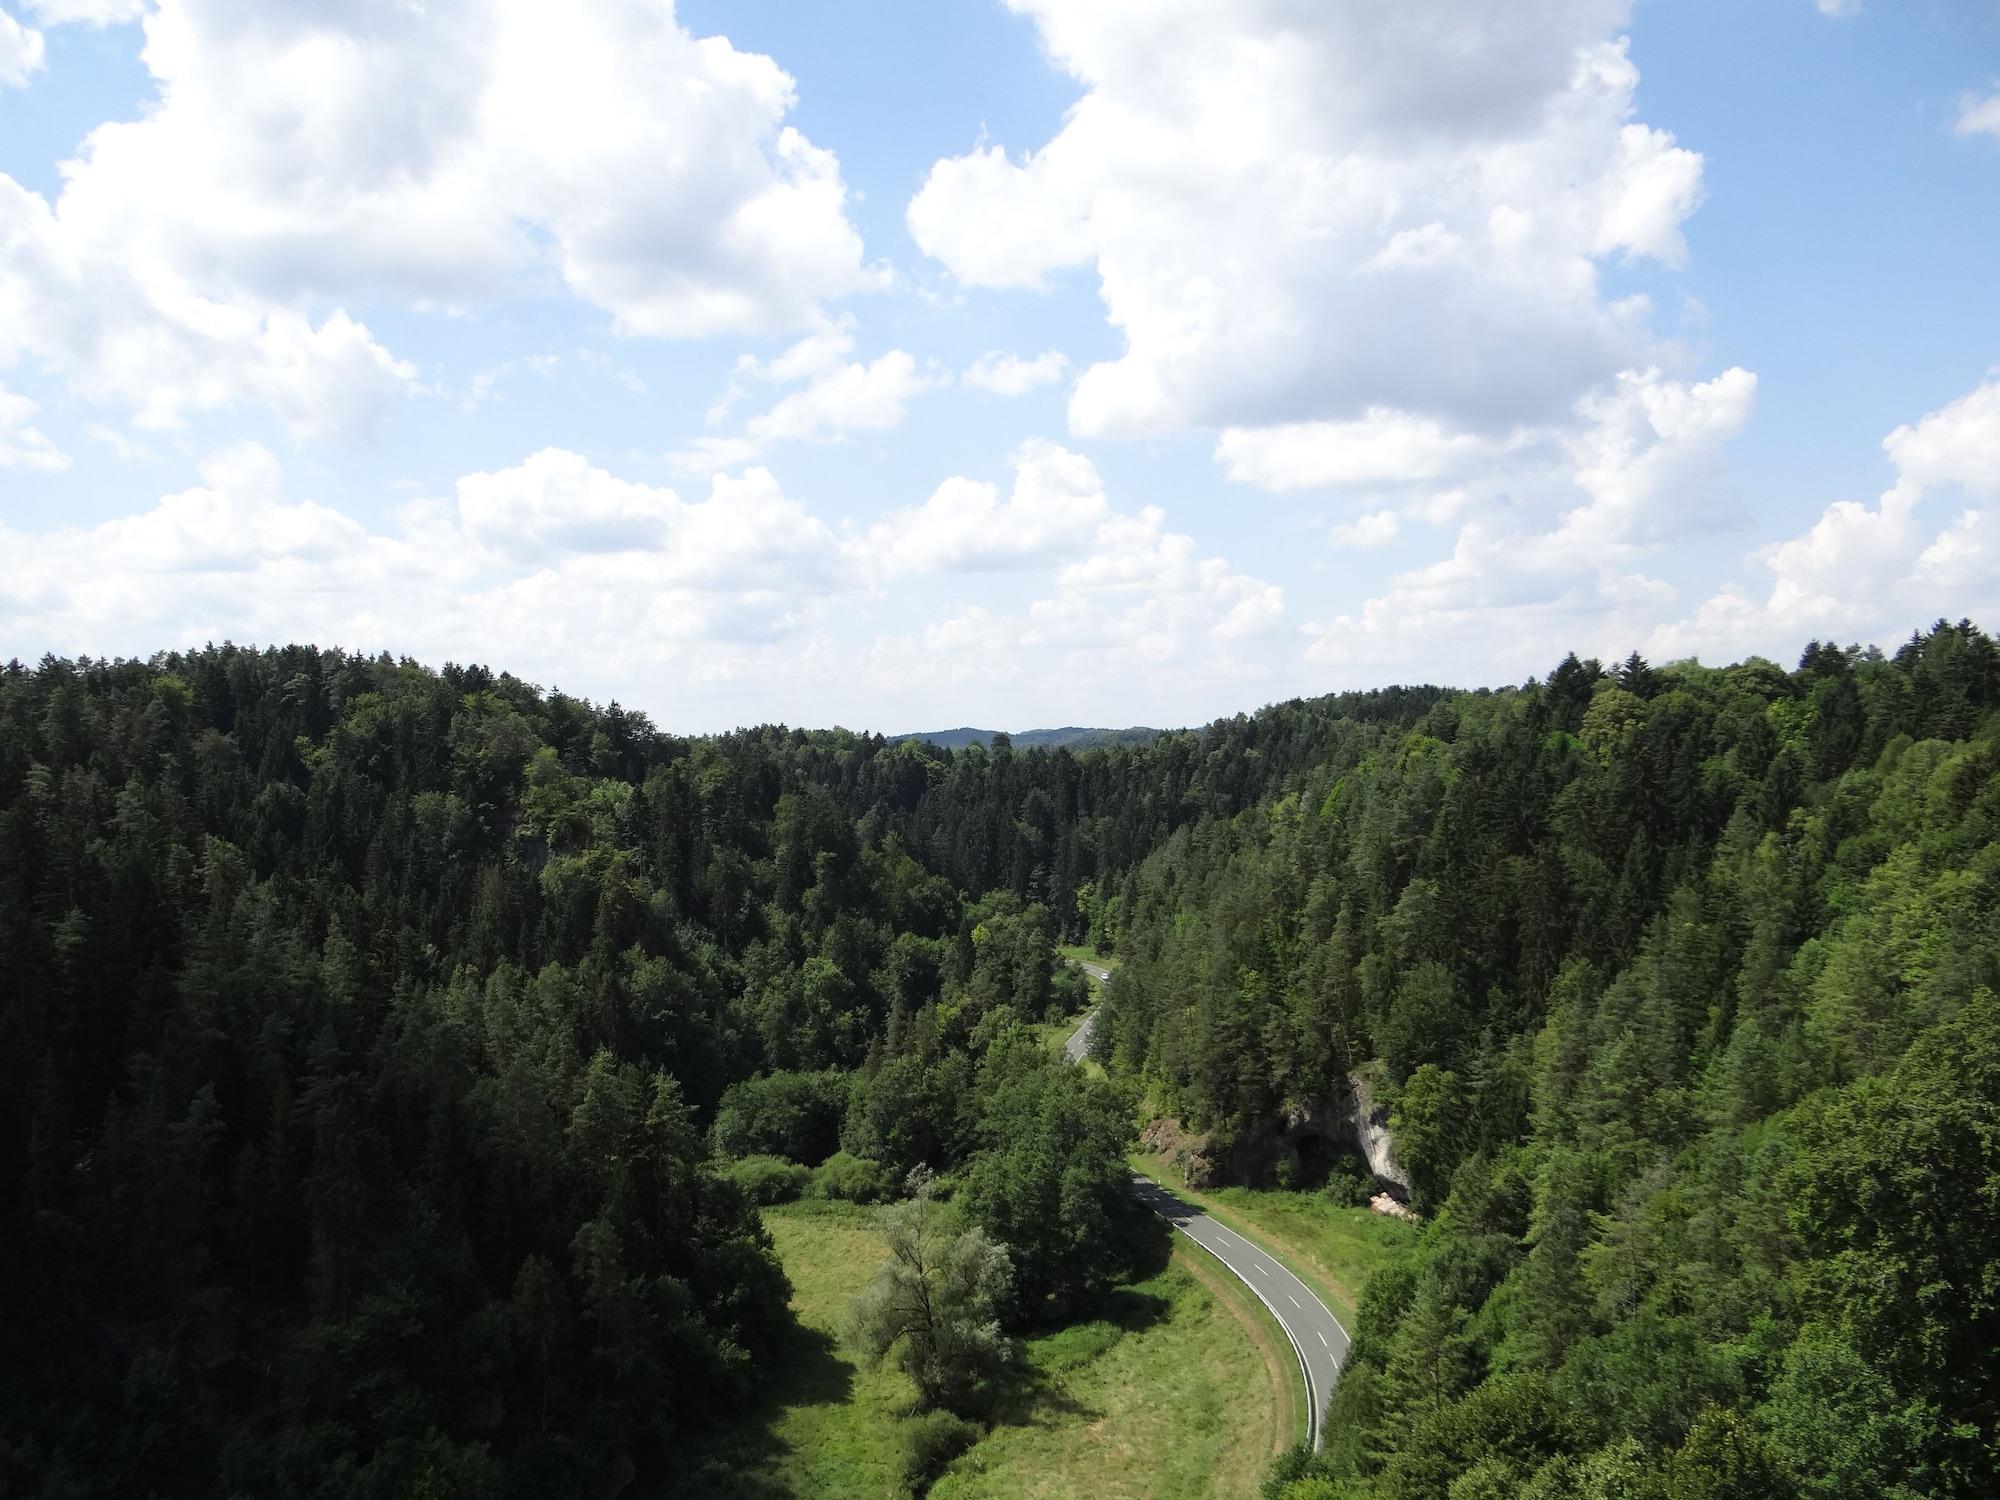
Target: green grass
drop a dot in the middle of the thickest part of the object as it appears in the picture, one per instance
(1168, 1391)
(1074, 951)
(1333, 1249)
(1165, 1397)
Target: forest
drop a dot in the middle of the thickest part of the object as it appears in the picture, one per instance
(398, 1058)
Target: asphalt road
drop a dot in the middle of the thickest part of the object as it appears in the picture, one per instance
(1317, 1337)
(1079, 1041)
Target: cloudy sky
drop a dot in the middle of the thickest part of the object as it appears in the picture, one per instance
(906, 363)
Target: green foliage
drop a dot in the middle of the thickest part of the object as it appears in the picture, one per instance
(1677, 983)
(369, 1029)
(931, 1440)
(850, 1179)
(936, 1302)
(764, 1180)
(794, 1115)
(1052, 1183)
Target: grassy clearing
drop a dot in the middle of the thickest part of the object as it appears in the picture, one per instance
(1164, 1395)
(1180, 1386)
(1334, 1250)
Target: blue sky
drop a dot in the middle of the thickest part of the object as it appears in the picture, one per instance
(903, 365)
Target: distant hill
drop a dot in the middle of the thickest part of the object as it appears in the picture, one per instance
(1075, 738)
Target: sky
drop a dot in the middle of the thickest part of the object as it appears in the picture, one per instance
(911, 363)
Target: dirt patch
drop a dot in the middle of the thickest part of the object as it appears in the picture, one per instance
(1280, 1363)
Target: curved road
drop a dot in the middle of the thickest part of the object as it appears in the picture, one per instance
(1317, 1337)
(1078, 1044)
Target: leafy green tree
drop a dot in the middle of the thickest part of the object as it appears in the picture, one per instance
(1051, 1182)
(935, 1303)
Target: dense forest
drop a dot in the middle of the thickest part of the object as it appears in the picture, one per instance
(397, 1058)
(1681, 985)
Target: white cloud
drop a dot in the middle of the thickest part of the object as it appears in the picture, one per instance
(124, 331)
(1977, 116)
(856, 397)
(708, 609)
(1143, 603)
(1299, 213)
(1552, 531)
(21, 51)
(1862, 572)
(830, 396)
(1838, 7)
(1482, 614)
(1375, 530)
(1646, 453)
(1056, 506)
(1381, 446)
(1010, 375)
(553, 568)
(22, 444)
(448, 154)
(1129, 599)
(485, 384)
(711, 455)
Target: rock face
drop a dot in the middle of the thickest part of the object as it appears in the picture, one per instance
(1357, 1121)
(1369, 1128)
(1188, 1150)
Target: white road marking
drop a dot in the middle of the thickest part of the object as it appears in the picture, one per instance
(1260, 1270)
(1293, 1300)
(1323, 1342)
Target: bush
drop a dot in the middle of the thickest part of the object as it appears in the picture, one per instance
(850, 1179)
(768, 1179)
(930, 1442)
(794, 1115)
(1348, 1188)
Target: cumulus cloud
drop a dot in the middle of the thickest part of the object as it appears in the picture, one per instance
(1977, 116)
(852, 397)
(1129, 596)
(1304, 213)
(21, 51)
(442, 155)
(22, 444)
(1381, 446)
(1866, 572)
(712, 606)
(1553, 529)
(542, 566)
(1056, 505)
(1010, 375)
(827, 397)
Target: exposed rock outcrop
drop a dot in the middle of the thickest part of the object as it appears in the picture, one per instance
(1189, 1151)
(1368, 1125)
(1355, 1120)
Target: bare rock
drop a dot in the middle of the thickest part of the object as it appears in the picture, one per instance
(1189, 1151)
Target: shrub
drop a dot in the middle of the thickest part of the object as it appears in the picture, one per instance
(1348, 1188)
(794, 1115)
(768, 1179)
(930, 1442)
(850, 1179)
